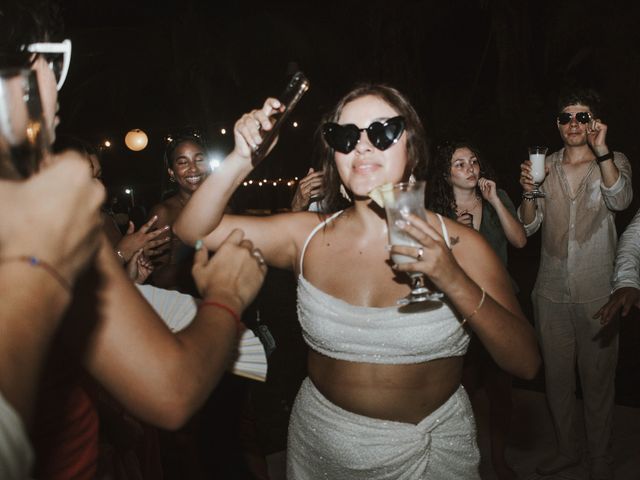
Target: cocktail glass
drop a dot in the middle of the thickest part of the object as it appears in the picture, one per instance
(537, 157)
(401, 200)
(24, 139)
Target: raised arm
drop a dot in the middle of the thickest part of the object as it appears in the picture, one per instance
(308, 188)
(617, 195)
(476, 282)
(529, 212)
(500, 201)
(162, 377)
(54, 218)
(203, 216)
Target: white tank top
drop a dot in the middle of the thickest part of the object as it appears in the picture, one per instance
(387, 335)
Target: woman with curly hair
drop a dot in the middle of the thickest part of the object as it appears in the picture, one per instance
(185, 160)
(462, 186)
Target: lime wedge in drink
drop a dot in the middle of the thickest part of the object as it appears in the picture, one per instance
(382, 194)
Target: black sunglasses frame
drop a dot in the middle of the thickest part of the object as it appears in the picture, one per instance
(344, 138)
(581, 117)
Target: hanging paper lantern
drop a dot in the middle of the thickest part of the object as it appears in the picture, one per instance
(136, 140)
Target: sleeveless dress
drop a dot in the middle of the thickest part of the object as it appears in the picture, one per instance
(326, 441)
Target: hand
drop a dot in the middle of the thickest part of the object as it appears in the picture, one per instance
(465, 218)
(233, 275)
(526, 179)
(436, 262)
(132, 241)
(488, 190)
(309, 187)
(246, 131)
(596, 136)
(54, 215)
(624, 298)
(139, 267)
(158, 247)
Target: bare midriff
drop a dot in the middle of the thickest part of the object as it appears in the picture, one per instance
(403, 393)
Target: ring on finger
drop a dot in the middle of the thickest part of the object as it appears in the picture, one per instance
(258, 256)
(420, 253)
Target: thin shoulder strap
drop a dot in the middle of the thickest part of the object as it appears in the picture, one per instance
(445, 232)
(313, 232)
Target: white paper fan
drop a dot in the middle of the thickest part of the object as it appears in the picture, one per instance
(178, 311)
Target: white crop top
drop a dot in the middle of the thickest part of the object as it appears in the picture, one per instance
(355, 333)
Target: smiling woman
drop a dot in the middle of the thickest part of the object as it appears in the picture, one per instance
(187, 167)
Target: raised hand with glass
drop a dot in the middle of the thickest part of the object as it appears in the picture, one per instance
(537, 157)
(400, 201)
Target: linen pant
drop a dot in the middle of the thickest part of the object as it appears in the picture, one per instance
(568, 336)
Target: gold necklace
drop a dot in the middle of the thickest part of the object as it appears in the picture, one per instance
(475, 204)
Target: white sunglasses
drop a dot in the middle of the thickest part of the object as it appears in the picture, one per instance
(57, 55)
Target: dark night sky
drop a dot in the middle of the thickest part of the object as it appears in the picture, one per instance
(488, 70)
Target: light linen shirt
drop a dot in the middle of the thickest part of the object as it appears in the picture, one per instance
(626, 272)
(578, 232)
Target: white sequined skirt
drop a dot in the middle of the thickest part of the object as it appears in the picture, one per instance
(328, 442)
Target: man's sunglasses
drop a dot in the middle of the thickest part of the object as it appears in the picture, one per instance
(382, 135)
(582, 117)
(57, 55)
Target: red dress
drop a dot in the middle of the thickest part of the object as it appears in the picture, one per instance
(65, 428)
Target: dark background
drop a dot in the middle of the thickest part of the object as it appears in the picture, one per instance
(488, 70)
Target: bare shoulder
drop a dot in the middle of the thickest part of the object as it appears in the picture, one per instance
(455, 230)
(167, 211)
(468, 246)
(280, 237)
(297, 225)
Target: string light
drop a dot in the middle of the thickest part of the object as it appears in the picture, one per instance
(270, 182)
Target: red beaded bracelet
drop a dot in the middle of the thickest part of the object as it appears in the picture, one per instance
(210, 303)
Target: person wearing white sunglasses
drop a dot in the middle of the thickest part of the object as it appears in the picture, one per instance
(111, 334)
(57, 55)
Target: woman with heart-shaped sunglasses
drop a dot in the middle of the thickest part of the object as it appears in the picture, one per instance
(383, 397)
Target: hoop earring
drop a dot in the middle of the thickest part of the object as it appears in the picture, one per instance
(172, 178)
(344, 193)
(412, 178)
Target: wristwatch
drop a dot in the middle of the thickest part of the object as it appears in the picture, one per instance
(605, 157)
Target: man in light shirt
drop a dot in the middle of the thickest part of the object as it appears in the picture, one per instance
(585, 184)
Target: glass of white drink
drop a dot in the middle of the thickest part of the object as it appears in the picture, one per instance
(400, 200)
(537, 156)
(23, 134)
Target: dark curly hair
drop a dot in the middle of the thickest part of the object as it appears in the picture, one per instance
(440, 197)
(23, 22)
(580, 96)
(417, 151)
